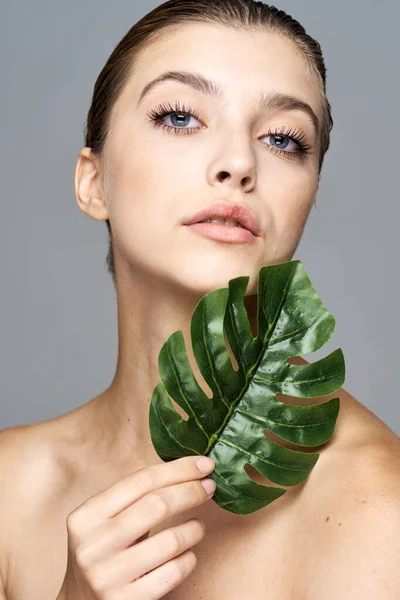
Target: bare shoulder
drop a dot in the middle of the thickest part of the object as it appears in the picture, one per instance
(362, 542)
(10, 446)
(28, 460)
(365, 458)
(356, 513)
(371, 448)
(31, 476)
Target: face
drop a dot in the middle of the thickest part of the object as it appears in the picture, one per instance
(160, 173)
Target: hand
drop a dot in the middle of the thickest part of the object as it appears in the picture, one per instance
(111, 557)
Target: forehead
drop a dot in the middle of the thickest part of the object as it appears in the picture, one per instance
(243, 63)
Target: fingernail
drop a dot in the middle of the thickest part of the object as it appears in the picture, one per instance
(209, 485)
(205, 464)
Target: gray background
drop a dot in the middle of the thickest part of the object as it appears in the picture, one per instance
(58, 317)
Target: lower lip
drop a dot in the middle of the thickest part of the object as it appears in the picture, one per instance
(223, 233)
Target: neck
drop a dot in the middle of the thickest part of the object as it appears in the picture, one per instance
(145, 321)
(118, 418)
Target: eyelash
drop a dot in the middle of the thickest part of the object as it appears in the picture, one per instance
(163, 110)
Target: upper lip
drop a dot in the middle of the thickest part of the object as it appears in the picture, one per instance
(227, 210)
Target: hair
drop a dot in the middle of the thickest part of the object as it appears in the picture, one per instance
(243, 15)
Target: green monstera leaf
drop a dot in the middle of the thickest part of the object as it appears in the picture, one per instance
(229, 427)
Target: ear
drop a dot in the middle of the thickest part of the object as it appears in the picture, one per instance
(88, 187)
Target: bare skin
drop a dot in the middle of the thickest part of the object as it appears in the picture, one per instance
(51, 468)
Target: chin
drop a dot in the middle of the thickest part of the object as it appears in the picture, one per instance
(202, 276)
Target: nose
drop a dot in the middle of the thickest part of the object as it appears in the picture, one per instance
(222, 175)
(239, 168)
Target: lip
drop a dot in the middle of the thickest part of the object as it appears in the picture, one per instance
(223, 233)
(227, 210)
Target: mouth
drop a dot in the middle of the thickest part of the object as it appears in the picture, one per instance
(237, 218)
(223, 233)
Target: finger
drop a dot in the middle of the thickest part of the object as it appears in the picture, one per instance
(138, 560)
(160, 581)
(162, 547)
(124, 530)
(119, 496)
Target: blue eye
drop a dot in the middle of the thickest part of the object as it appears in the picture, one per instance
(165, 110)
(183, 114)
(283, 142)
(181, 117)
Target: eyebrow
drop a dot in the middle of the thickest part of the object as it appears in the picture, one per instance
(273, 101)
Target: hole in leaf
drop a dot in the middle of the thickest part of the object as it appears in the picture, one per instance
(295, 360)
(250, 303)
(196, 371)
(298, 447)
(278, 440)
(256, 476)
(179, 410)
(203, 383)
(235, 366)
(295, 401)
(285, 444)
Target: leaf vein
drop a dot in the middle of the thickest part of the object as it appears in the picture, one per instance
(172, 437)
(261, 458)
(315, 379)
(183, 395)
(210, 361)
(280, 423)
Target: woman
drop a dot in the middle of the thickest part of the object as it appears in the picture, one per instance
(216, 105)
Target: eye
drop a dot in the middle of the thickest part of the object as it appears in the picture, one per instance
(283, 142)
(179, 115)
(181, 119)
(289, 141)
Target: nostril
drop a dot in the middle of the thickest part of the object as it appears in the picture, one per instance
(223, 175)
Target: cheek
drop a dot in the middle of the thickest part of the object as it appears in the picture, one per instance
(143, 199)
(293, 203)
(134, 201)
(151, 185)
